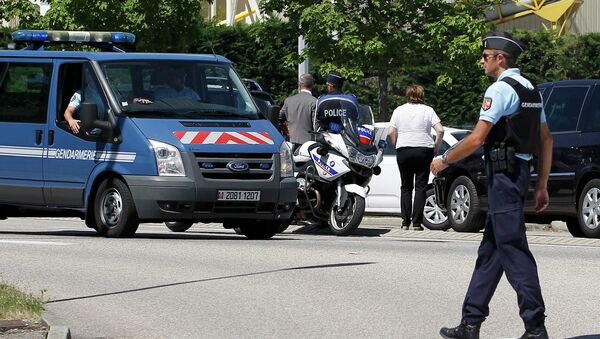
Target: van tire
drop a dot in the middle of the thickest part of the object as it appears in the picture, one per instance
(114, 210)
(178, 226)
(590, 229)
(461, 196)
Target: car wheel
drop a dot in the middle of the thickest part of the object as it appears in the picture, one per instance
(114, 210)
(588, 209)
(574, 228)
(433, 216)
(179, 226)
(464, 212)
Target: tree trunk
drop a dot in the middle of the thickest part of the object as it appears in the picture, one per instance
(383, 96)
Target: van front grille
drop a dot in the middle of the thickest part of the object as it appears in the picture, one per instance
(258, 166)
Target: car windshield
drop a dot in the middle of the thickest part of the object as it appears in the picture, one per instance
(460, 134)
(176, 89)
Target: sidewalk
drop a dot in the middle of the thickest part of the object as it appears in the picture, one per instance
(385, 226)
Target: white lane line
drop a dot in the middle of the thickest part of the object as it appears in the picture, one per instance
(29, 242)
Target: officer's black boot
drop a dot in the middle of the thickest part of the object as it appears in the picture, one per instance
(462, 331)
(536, 333)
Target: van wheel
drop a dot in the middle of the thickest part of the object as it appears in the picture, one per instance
(114, 210)
(464, 212)
(260, 229)
(433, 216)
(179, 226)
(588, 209)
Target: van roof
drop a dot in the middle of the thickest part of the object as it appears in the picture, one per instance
(111, 56)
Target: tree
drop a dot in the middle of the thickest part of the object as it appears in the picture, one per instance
(27, 12)
(159, 25)
(362, 37)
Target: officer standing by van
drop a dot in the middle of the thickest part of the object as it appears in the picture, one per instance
(512, 127)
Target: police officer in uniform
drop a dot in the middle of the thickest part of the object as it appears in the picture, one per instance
(332, 106)
(512, 127)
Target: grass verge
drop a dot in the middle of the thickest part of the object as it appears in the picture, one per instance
(15, 304)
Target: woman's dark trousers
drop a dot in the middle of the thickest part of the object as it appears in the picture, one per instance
(413, 163)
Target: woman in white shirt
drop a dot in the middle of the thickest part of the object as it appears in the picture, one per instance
(410, 131)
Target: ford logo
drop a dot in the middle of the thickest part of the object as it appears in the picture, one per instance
(237, 166)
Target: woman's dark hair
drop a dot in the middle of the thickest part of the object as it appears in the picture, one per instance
(415, 94)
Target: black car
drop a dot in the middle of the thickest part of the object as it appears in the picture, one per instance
(573, 113)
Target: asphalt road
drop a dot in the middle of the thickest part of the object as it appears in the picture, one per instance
(211, 283)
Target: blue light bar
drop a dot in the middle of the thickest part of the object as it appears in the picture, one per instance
(35, 36)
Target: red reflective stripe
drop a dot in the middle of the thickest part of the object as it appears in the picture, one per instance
(226, 137)
(179, 135)
(252, 136)
(266, 135)
(200, 137)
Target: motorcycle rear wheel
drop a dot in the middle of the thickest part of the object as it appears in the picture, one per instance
(344, 221)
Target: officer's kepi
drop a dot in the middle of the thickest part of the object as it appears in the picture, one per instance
(504, 42)
(335, 79)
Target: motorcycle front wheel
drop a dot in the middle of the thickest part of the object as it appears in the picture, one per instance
(345, 219)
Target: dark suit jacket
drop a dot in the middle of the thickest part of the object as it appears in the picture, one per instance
(298, 110)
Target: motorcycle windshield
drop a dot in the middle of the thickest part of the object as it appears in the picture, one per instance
(359, 127)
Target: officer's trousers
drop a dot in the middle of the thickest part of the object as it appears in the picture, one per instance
(504, 249)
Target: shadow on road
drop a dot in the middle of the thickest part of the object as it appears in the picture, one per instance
(189, 235)
(590, 336)
(360, 232)
(311, 267)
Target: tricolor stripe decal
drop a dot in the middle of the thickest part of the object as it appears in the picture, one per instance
(224, 138)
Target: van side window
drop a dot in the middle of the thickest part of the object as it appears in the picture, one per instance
(563, 107)
(24, 91)
(590, 121)
(77, 84)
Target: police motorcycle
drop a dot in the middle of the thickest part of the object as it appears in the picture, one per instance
(334, 171)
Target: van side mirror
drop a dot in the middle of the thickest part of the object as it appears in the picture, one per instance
(88, 114)
(273, 114)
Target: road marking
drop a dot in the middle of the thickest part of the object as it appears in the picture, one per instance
(30, 242)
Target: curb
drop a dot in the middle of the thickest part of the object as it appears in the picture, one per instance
(57, 332)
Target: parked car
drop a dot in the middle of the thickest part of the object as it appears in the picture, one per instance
(252, 85)
(384, 196)
(572, 109)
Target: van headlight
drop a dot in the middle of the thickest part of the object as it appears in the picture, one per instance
(285, 157)
(168, 159)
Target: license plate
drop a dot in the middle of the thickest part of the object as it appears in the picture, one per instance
(238, 195)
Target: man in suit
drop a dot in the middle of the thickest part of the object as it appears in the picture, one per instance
(298, 111)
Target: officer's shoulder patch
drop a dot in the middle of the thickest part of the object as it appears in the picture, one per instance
(487, 103)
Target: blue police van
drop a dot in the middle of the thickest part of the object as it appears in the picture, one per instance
(122, 138)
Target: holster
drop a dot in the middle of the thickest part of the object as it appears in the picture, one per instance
(501, 159)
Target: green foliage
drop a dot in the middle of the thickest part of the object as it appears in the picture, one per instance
(18, 305)
(27, 12)
(160, 25)
(257, 51)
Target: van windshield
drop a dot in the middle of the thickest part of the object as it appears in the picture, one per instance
(179, 89)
